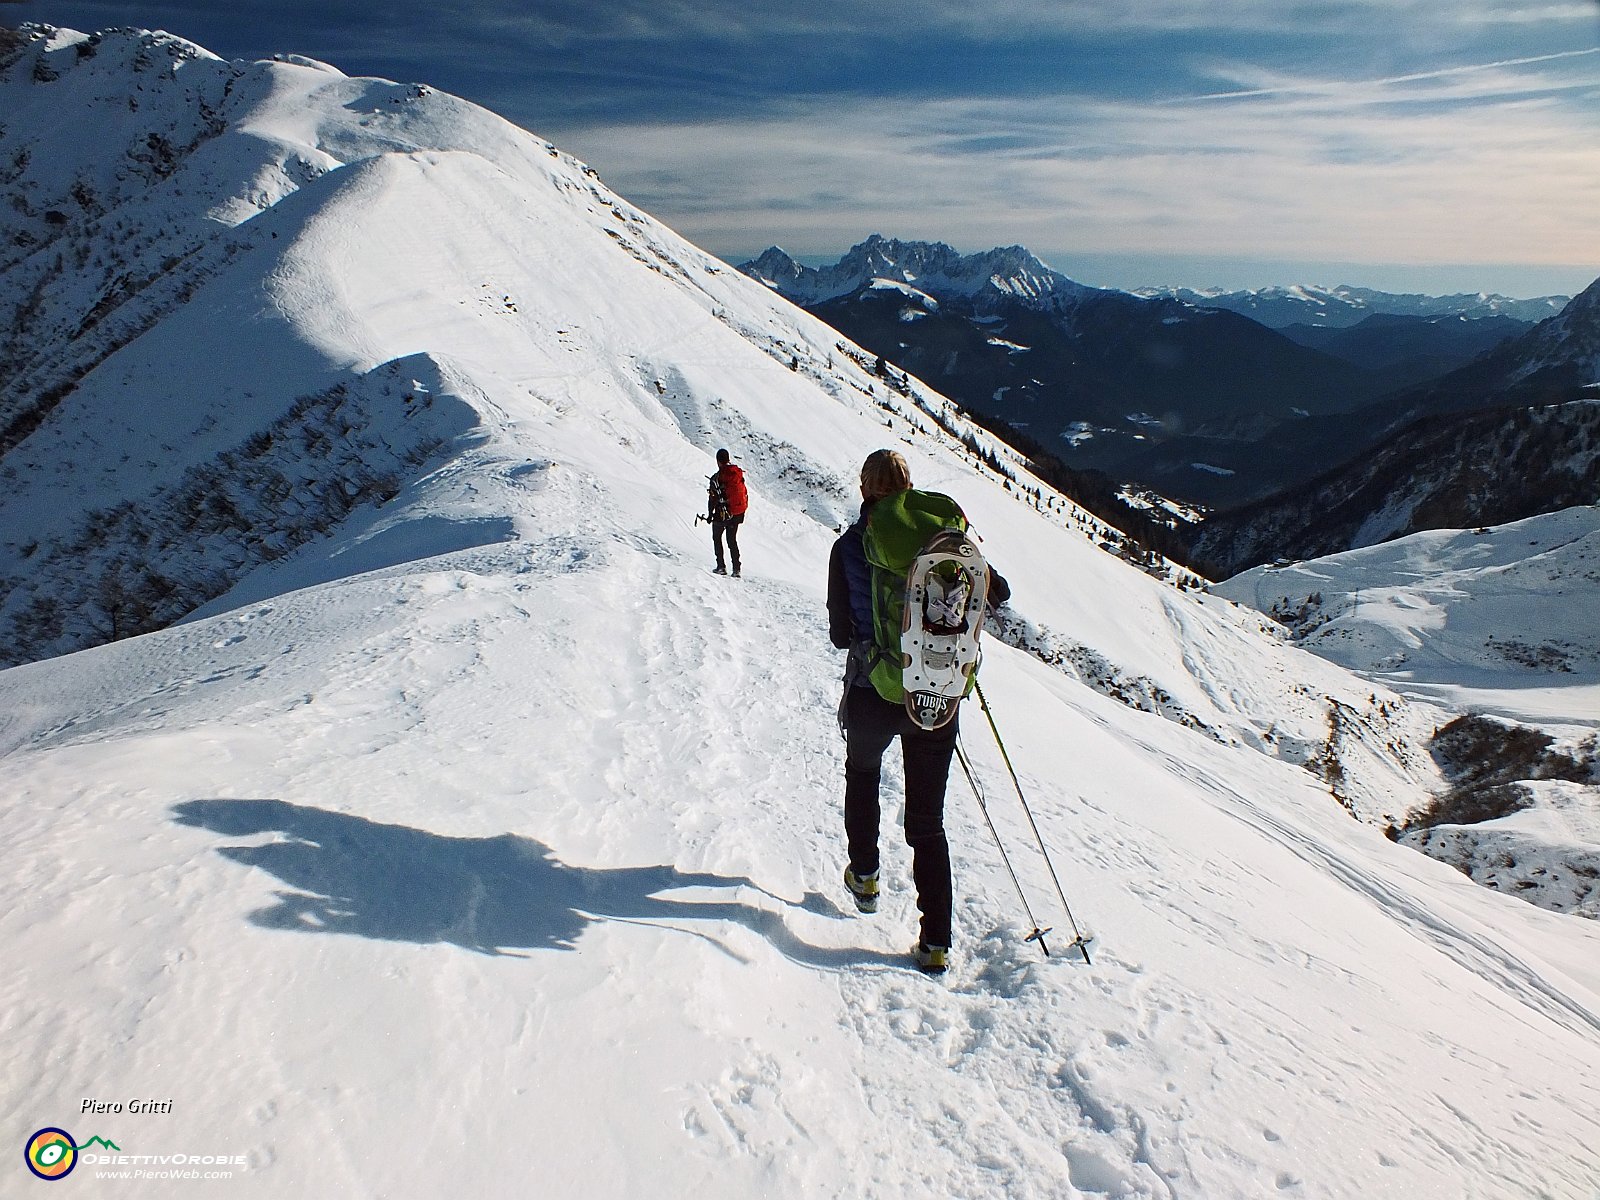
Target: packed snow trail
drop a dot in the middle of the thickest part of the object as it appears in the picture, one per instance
(366, 840)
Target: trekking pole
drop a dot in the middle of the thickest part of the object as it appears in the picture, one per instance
(1079, 940)
(966, 766)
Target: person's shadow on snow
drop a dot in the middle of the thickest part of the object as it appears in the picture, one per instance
(349, 875)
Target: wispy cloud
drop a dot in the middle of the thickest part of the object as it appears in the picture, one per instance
(1006, 20)
(1480, 160)
(1474, 76)
(1508, 180)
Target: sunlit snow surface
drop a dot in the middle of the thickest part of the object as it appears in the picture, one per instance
(491, 845)
(1497, 622)
(1501, 620)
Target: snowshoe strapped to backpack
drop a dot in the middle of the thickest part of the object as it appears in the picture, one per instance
(929, 587)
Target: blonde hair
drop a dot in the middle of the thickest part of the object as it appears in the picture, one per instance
(883, 474)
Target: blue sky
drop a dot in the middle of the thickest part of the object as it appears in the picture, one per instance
(1400, 144)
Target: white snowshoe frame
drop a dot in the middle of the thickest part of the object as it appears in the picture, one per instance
(946, 591)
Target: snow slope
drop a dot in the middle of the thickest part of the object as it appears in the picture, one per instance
(1499, 618)
(1494, 621)
(478, 839)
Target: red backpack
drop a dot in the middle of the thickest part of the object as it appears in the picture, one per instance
(729, 482)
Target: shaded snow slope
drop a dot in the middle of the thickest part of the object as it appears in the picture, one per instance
(474, 837)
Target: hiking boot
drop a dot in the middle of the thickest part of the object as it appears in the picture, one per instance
(720, 570)
(736, 572)
(931, 960)
(864, 889)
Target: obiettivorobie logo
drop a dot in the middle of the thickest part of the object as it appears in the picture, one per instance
(51, 1153)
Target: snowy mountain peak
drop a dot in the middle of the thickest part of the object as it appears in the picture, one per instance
(933, 267)
(1567, 346)
(775, 268)
(1585, 306)
(137, 51)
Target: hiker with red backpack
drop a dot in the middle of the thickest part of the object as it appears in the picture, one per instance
(726, 501)
(881, 568)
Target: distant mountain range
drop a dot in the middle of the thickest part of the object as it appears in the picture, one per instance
(1174, 391)
(1109, 378)
(988, 280)
(1343, 306)
(1514, 433)
(1554, 361)
(1482, 416)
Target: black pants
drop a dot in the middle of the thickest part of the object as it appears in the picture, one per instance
(872, 723)
(731, 528)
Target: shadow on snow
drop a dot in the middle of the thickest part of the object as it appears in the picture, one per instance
(347, 874)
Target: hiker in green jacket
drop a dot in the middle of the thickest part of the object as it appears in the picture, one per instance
(872, 722)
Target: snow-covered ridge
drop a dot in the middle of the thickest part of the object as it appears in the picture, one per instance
(486, 808)
(921, 297)
(218, 463)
